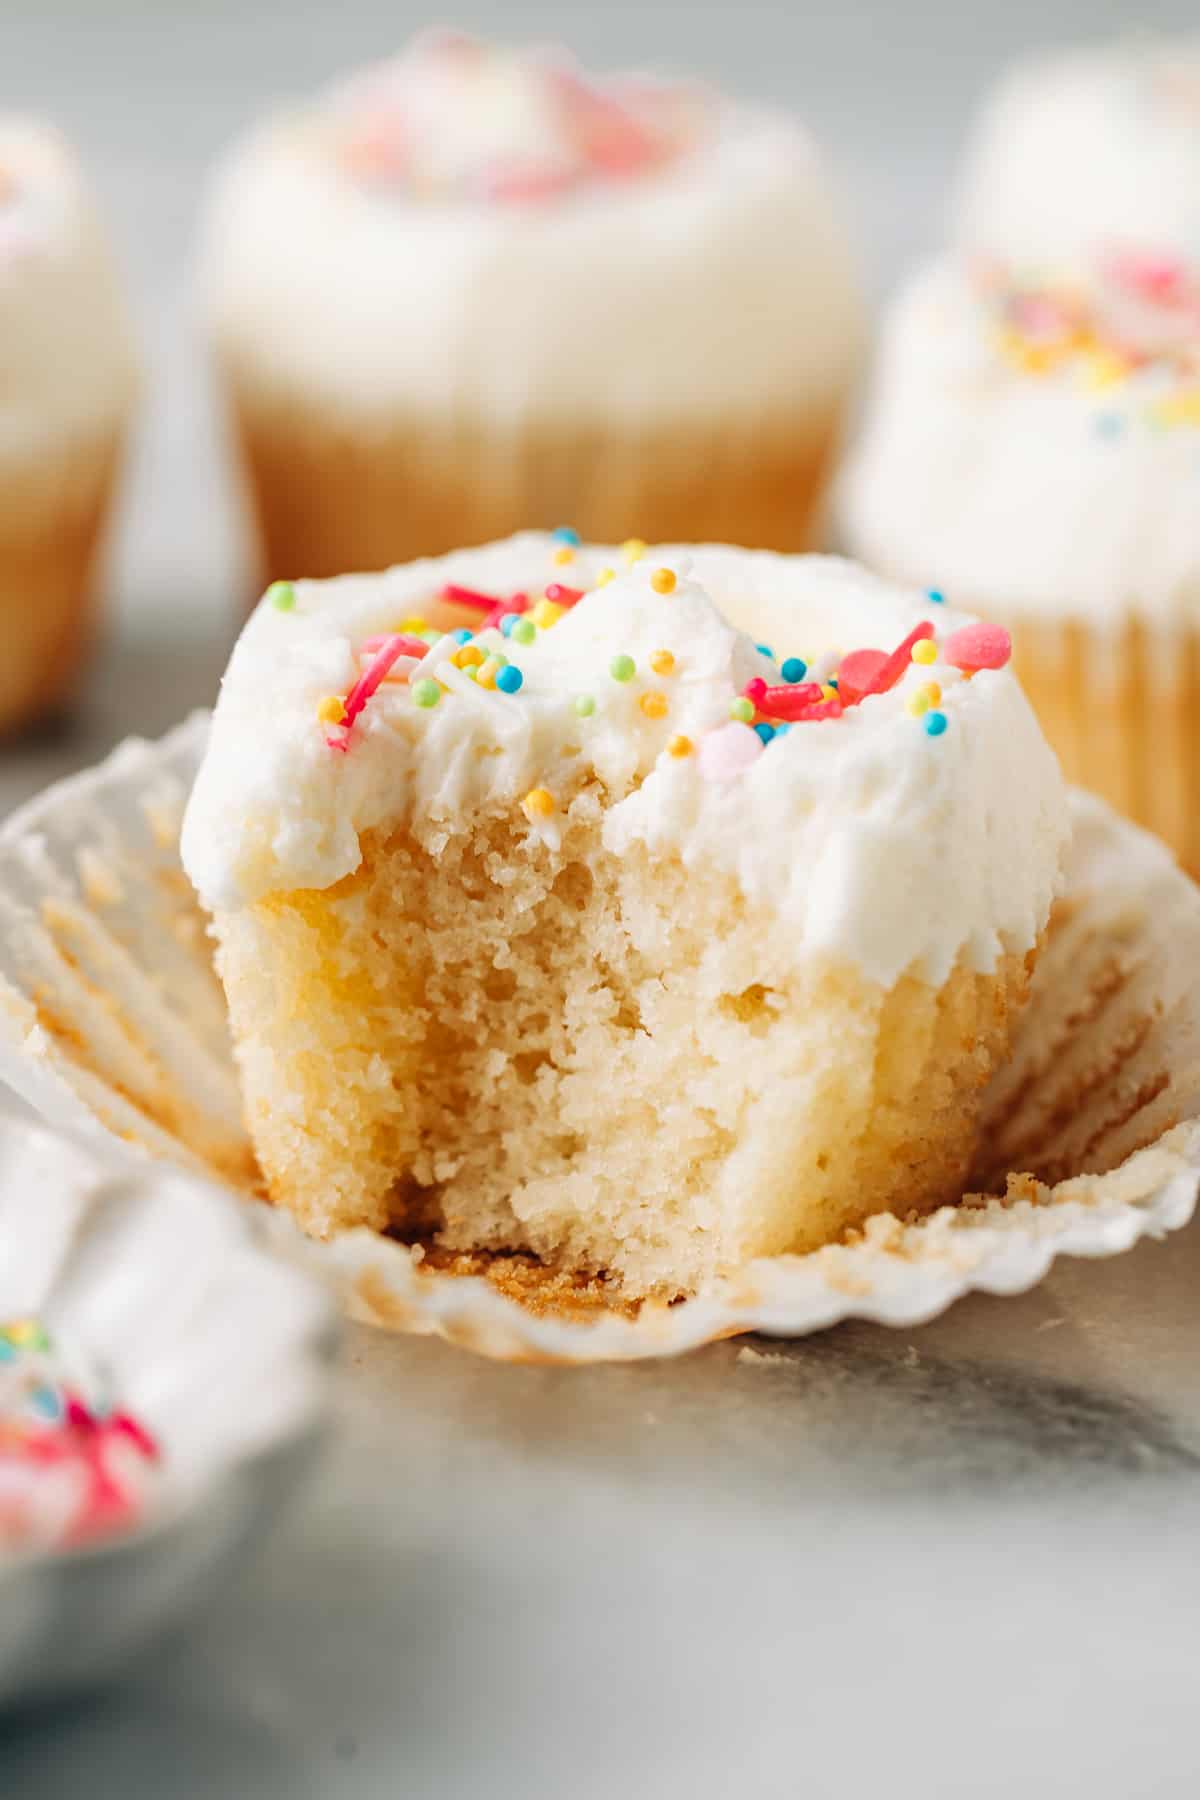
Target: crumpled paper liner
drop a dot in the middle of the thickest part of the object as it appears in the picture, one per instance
(112, 1022)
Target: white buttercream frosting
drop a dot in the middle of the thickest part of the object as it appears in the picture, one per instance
(869, 837)
(67, 365)
(1038, 454)
(1087, 151)
(713, 276)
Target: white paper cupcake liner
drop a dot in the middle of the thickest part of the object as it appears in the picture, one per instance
(112, 1022)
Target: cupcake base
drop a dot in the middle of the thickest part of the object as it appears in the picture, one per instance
(1122, 709)
(331, 496)
(600, 1061)
(52, 515)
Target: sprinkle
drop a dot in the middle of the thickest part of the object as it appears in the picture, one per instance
(654, 704)
(917, 704)
(282, 595)
(783, 729)
(679, 746)
(585, 705)
(566, 534)
(765, 650)
(785, 702)
(416, 623)
(794, 668)
(622, 668)
(978, 646)
(488, 671)
(468, 596)
(507, 621)
(510, 679)
(545, 614)
(523, 632)
(936, 595)
(829, 690)
(564, 596)
(742, 709)
(728, 751)
(564, 556)
(389, 651)
(663, 581)
(633, 548)
(331, 710)
(821, 709)
(538, 803)
(925, 651)
(893, 666)
(470, 656)
(765, 732)
(754, 690)
(426, 692)
(604, 577)
(935, 723)
(1109, 424)
(462, 635)
(662, 662)
(932, 692)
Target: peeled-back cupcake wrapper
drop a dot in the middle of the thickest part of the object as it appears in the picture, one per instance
(113, 1022)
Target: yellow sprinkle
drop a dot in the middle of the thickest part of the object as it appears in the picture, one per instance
(680, 746)
(488, 671)
(918, 703)
(416, 623)
(828, 692)
(933, 693)
(545, 614)
(562, 556)
(632, 548)
(654, 704)
(662, 662)
(604, 577)
(1182, 408)
(663, 581)
(468, 657)
(538, 803)
(1104, 369)
(924, 651)
(331, 710)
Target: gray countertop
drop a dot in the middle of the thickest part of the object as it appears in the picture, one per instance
(957, 1561)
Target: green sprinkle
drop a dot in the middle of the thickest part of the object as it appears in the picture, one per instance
(524, 631)
(585, 705)
(282, 595)
(622, 668)
(426, 692)
(742, 709)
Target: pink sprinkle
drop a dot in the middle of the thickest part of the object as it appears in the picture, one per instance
(789, 703)
(123, 1424)
(563, 596)
(518, 184)
(410, 646)
(465, 596)
(893, 666)
(370, 679)
(857, 674)
(754, 690)
(824, 709)
(979, 646)
(726, 752)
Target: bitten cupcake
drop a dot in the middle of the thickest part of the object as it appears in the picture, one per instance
(1032, 446)
(67, 387)
(604, 931)
(474, 290)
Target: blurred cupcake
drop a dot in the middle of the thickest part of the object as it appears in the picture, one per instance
(1032, 447)
(67, 387)
(476, 289)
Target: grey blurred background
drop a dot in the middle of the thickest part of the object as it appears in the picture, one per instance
(151, 90)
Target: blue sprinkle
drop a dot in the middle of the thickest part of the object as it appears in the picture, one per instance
(766, 732)
(935, 723)
(936, 595)
(566, 534)
(782, 730)
(45, 1401)
(462, 635)
(1109, 424)
(832, 682)
(507, 621)
(794, 669)
(509, 679)
(765, 650)
(8, 1350)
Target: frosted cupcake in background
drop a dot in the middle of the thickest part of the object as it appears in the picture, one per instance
(1032, 446)
(476, 289)
(68, 382)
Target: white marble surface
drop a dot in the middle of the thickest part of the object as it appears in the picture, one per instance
(955, 1562)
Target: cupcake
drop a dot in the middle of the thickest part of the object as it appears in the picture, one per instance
(604, 931)
(67, 387)
(475, 290)
(1032, 444)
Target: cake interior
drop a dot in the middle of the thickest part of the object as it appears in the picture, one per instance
(611, 1062)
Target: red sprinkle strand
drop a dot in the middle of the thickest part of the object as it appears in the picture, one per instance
(563, 596)
(371, 677)
(465, 596)
(893, 667)
(825, 709)
(412, 646)
(788, 703)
